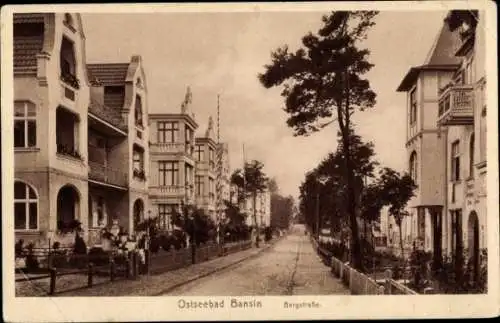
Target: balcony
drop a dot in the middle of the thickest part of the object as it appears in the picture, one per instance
(104, 116)
(456, 106)
(167, 191)
(168, 148)
(107, 175)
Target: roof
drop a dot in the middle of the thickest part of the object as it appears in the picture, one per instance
(28, 42)
(443, 50)
(441, 57)
(25, 50)
(29, 18)
(108, 74)
(412, 75)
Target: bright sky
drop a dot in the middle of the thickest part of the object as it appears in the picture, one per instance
(223, 53)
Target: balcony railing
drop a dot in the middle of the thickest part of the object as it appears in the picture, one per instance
(104, 174)
(168, 147)
(456, 105)
(170, 190)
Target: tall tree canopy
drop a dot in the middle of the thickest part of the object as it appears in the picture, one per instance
(323, 83)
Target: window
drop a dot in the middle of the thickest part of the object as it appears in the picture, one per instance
(67, 133)
(199, 185)
(138, 111)
(211, 189)
(211, 157)
(455, 161)
(167, 131)
(169, 173)
(199, 153)
(67, 59)
(24, 124)
(188, 133)
(413, 106)
(188, 175)
(68, 20)
(138, 156)
(456, 233)
(413, 166)
(165, 215)
(482, 134)
(471, 155)
(25, 207)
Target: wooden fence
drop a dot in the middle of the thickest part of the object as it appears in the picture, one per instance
(360, 283)
(116, 266)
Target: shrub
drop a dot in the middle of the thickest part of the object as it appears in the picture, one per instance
(165, 242)
(19, 248)
(80, 247)
(98, 256)
(154, 244)
(31, 261)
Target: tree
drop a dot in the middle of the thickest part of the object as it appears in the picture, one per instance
(251, 181)
(465, 20)
(281, 206)
(395, 190)
(323, 83)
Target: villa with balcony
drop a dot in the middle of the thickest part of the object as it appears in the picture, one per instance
(446, 108)
(78, 147)
(117, 144)
(172, 162)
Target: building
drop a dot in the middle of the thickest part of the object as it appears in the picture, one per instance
(73, 142)
(118, 100)
(225, 176)
(446, 108)
(263, 209)
(172, 164)
(206, 171)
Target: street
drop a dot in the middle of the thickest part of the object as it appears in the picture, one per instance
(291, 267)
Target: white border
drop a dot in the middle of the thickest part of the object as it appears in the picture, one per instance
(333, 307)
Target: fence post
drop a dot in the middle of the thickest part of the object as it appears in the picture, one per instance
(127, 266)
(388, 277)
(91, 274)
(53, 277)
(112, 269)
(148, 261)
(350, 278)
(134, 265)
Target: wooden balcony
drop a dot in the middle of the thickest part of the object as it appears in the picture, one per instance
(106, 175)
(456, 106)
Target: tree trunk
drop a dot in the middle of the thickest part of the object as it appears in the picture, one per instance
(401, 241)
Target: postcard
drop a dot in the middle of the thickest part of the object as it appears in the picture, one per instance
(249, 161)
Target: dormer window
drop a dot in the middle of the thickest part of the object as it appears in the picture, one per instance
(68, 21)
(138, 111)
(68, 63)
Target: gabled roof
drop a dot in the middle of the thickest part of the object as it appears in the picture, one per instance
(108, 74)
(441, 57)
(443, 50)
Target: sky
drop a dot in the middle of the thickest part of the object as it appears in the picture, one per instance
(222, 53)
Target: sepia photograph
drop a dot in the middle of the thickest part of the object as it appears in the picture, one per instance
(232, 159)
